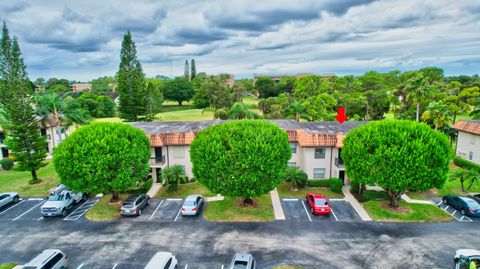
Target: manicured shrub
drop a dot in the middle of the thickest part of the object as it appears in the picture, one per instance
(172, 187)
(336, 184)
(296, 176)
(465, 163)
(322, 183)
(221, 114)
(7, 164)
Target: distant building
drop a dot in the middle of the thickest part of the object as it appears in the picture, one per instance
(276, 78)
(231, 80)
(468, 140)
(39, 88)
(81, 87)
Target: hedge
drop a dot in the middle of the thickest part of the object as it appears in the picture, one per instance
(465, 163)
(336, 184)
(319, 183)
(6, 163)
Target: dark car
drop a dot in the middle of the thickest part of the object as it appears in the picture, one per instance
(134, 205)
(467, 206)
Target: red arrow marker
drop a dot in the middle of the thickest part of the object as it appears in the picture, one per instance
(341, 117)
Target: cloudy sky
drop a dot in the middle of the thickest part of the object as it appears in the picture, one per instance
(80, 40)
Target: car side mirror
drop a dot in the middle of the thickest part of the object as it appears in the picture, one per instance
(326, 203)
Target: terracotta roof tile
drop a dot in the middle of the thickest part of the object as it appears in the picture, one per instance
(469, 126)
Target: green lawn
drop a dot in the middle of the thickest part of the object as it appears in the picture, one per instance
(186, 115)
(102, 211)
(18, 181)
(7, 265)
(250, 100)
(185, 190)
(380, 211)
(285, 190)
(229, 210)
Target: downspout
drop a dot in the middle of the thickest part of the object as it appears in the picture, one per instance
(331, 160)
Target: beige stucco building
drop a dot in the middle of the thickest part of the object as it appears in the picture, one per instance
(468, 140)
(315, 146)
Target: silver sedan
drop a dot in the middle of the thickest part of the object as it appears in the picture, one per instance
(7, 198)
(192, 204)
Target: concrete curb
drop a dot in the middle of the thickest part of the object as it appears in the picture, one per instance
(277, 205)
(414, 201)
(355, 204)
(219, 197)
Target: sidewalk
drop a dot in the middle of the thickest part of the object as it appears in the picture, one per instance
(355, 204)
(414, 201)
(154, 189)
(277, 206)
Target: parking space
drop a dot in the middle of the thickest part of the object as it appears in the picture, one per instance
(28, 209)
(458, 216)
(297, 210)
(168, 210)
(142, 265)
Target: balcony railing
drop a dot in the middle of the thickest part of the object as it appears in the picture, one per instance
(338, 162)
(157, 160)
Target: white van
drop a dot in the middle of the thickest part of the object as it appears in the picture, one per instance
(48, 259)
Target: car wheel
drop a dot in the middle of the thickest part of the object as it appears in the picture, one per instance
(15, 199)
(139, 212)
(445, 201)
(311, 209)
(462, 211)
(64, 212)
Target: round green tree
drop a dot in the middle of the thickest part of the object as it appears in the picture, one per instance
(244, 158)
(397, 156)
(102, 158)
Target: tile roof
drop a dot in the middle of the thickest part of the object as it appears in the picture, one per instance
(307, 134)
(468, 126)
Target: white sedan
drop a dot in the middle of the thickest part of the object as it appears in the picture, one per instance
(7, 198)
(163, 260)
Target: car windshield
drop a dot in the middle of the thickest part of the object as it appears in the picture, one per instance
(189, 203)
(320, 202)
(472, 204)
(55, 198)
(240, 265)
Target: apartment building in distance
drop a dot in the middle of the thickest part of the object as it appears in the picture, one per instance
(316, 146)
(76, 87)
(468, 140)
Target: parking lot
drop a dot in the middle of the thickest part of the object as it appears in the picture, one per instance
(28, 209)
(297, 210)
(168, 210)
(458, 216)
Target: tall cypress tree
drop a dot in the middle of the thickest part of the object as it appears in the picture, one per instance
(24, 138)
(131, 82)
(193, 73)
(186, 72)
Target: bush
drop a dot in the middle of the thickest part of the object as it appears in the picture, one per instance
(336, 184)
(7, 164)
(325, 183)
(173, 187)
(221, 114)
(465, 163)
(143, 187)
(355, 184)
(184, 179)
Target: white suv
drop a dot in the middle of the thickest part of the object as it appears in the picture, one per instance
(49, 258)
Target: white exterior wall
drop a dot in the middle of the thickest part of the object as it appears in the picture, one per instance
(171, 159)
(468, 143)
(309, 162)
(297, 157)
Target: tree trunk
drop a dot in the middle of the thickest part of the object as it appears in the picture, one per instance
(180, 103)
(34, 175)
(393, 195)
(418, 110)
(470, 185)
(366, 112)
(461, 184)
(114, 196)
(297, 116)
(247, 201)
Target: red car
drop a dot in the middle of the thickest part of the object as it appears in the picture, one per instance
(318, 204)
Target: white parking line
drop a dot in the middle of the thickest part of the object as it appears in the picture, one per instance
(454, 211)
(446, 208)
(12, 206)
(80, 266)
(439, 203)
(40, 218)
(306, 211)
(24, 213)
(153, 214)
(77, 216)
(178, 214)
(334, 214)
(290, 199)
(174, 199)
(222, 266)
(35, 199)
(336, 199)
(186, 266)
(76, 209)
(114, 266)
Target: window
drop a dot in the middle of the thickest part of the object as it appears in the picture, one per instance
(51, 263)
(472, 139)
(293, 147)
(319, 153)
(318, 172)
(167, 265)
(292, 164)
(178, 152)
(470, 155)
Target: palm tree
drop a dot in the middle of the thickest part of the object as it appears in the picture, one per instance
(241, 111)
(438, 113)
(59, 112)
(417, 89)
(463, 175)
(296, 110)
(173, 174)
